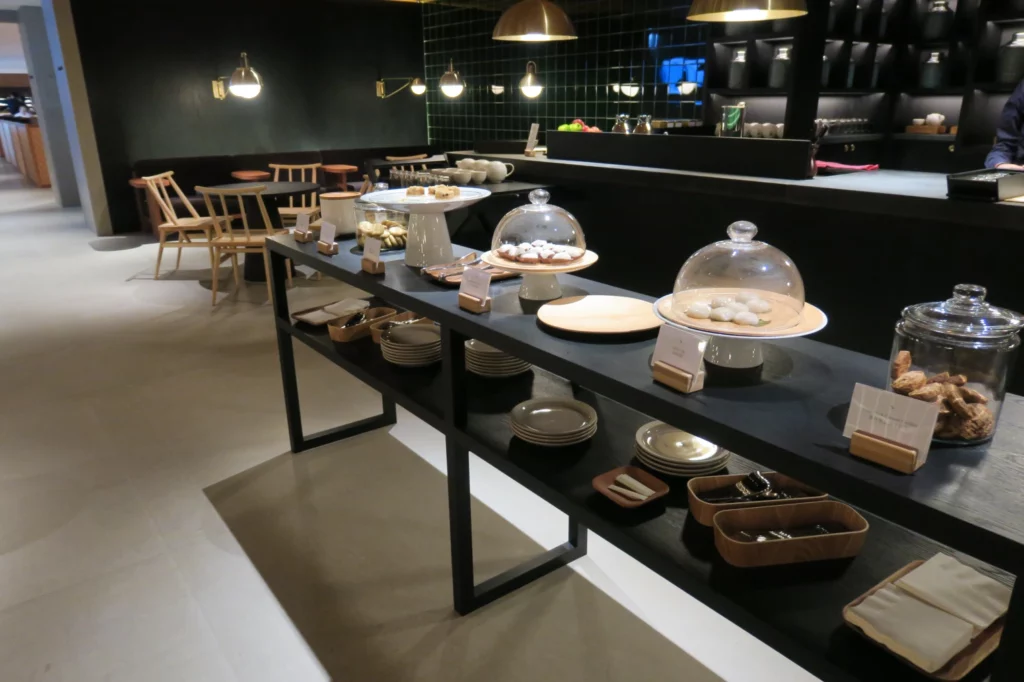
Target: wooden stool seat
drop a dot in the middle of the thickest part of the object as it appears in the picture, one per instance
(342, 169)
(250, 175)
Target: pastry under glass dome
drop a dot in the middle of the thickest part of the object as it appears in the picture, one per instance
(539, 233)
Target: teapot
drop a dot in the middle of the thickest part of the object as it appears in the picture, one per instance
(498, 171)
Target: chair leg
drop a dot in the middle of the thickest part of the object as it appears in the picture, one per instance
(266, 268)
(177, 264)
(215, 270)
(288, 264)
(159, 256)
(234, 267)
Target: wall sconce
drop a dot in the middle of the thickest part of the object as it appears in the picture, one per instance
(497, 89)
(451, 84)
(686, 87)
(530, 84)
(417, 86)
(244, 82)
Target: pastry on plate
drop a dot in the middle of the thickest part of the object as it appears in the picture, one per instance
(444, 192)
(415, 191)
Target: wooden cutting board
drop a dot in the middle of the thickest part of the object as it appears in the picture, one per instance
(599, 315)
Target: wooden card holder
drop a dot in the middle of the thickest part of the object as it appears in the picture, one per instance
(474, 304)
(883, 451)
(327, 249)
(374, 268)
(684, 382)
(304, 237)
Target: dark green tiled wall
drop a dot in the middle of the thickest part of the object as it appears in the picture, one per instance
(647, 41)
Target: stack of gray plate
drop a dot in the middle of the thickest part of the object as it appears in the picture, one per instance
(554, 422)
(415, 345)
(488, 361)
(671, 451)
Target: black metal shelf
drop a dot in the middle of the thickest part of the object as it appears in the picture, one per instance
(797, 610)
(853, 137)
(748, 92)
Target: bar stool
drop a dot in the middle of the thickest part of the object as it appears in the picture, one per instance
(251, 175)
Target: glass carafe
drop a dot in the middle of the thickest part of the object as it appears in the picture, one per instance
(1010, 64)
(621, 124)
(643, 125)
(778, 74)
(957, 353)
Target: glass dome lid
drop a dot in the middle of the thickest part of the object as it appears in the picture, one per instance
(739, 282)
(539, 232)
(965, 316)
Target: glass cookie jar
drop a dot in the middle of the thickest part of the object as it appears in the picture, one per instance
(957, 353)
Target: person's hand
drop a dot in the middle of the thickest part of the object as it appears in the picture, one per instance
(1010, 166)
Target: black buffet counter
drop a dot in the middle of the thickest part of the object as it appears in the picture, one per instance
(867, 244)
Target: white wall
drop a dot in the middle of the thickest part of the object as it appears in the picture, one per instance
(12, 57)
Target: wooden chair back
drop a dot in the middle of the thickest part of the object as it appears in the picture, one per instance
(218, 203)
(157, 186)
(298, 173)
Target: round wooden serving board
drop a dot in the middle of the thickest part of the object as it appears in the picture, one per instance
(785, 320)
(599, 315)
(491, 258)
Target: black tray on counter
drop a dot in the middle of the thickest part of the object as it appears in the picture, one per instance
(987, 184)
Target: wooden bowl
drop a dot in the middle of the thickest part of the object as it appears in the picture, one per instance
(342, 334)
(796, 550)
(375, 327)
(703, 512)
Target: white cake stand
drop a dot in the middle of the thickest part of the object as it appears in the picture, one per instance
(738, 349)
(428, 242)
(540, 281)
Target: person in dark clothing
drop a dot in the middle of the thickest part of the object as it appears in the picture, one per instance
(1008, 151)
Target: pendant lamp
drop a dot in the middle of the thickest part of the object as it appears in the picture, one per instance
(245, 82)
(534, 21)
(530, 84)
(450, 83)
(746, 10)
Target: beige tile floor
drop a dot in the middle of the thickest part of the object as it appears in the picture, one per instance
(135, 420)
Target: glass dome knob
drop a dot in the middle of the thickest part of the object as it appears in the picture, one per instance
(539, 197)
(742, 231)
(968, 295)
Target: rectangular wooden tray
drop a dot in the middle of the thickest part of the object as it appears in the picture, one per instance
(703, 512)
(297, 314)
(960, 665)
(340, 334)
(602, 482)
(926, 130)
(796, 550)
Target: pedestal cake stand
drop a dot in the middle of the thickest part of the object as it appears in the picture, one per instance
(540, 281)
(428, 242)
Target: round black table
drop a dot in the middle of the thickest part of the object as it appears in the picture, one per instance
(274, 196)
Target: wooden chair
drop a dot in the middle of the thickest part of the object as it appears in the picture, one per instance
(307, 204)
(194, 231)
(251, 239)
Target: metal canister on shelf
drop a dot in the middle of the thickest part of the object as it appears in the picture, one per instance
(826, 70)
(933, 72)
(937, 21)
(1010, 63)
(778, 74)
(738, 69)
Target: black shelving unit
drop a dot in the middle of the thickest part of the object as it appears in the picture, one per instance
(966, 501)
(894, 35)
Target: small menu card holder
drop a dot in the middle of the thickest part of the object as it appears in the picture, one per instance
(890, 429)
(326, 244)
(679, 359)
(475, 291)
(680, 380)
(302, 233)
(371, 257)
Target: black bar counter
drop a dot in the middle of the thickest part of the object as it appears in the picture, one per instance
(965, 499)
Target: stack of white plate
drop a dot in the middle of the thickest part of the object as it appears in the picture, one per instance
(671, 451)
(416, 345)
(488, 361)
(554, 422)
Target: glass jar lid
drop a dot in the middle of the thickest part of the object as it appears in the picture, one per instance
(965, 316)
(540, 225)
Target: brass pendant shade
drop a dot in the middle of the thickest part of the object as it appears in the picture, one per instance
(746, 10)
(534, 21)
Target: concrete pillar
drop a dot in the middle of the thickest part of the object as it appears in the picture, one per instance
(46, 98)
(60, 32)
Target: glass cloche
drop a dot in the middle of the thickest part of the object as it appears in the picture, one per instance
(739, 285)
(539, 233)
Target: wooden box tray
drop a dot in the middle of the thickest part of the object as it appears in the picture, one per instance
(703, 512)
(375, 326)
(341, 334)
(926, 130)
(960, 665)
(796, 550)
(602, 482)
(306, 317)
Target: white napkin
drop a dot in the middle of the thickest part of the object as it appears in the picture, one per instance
(947, 584)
